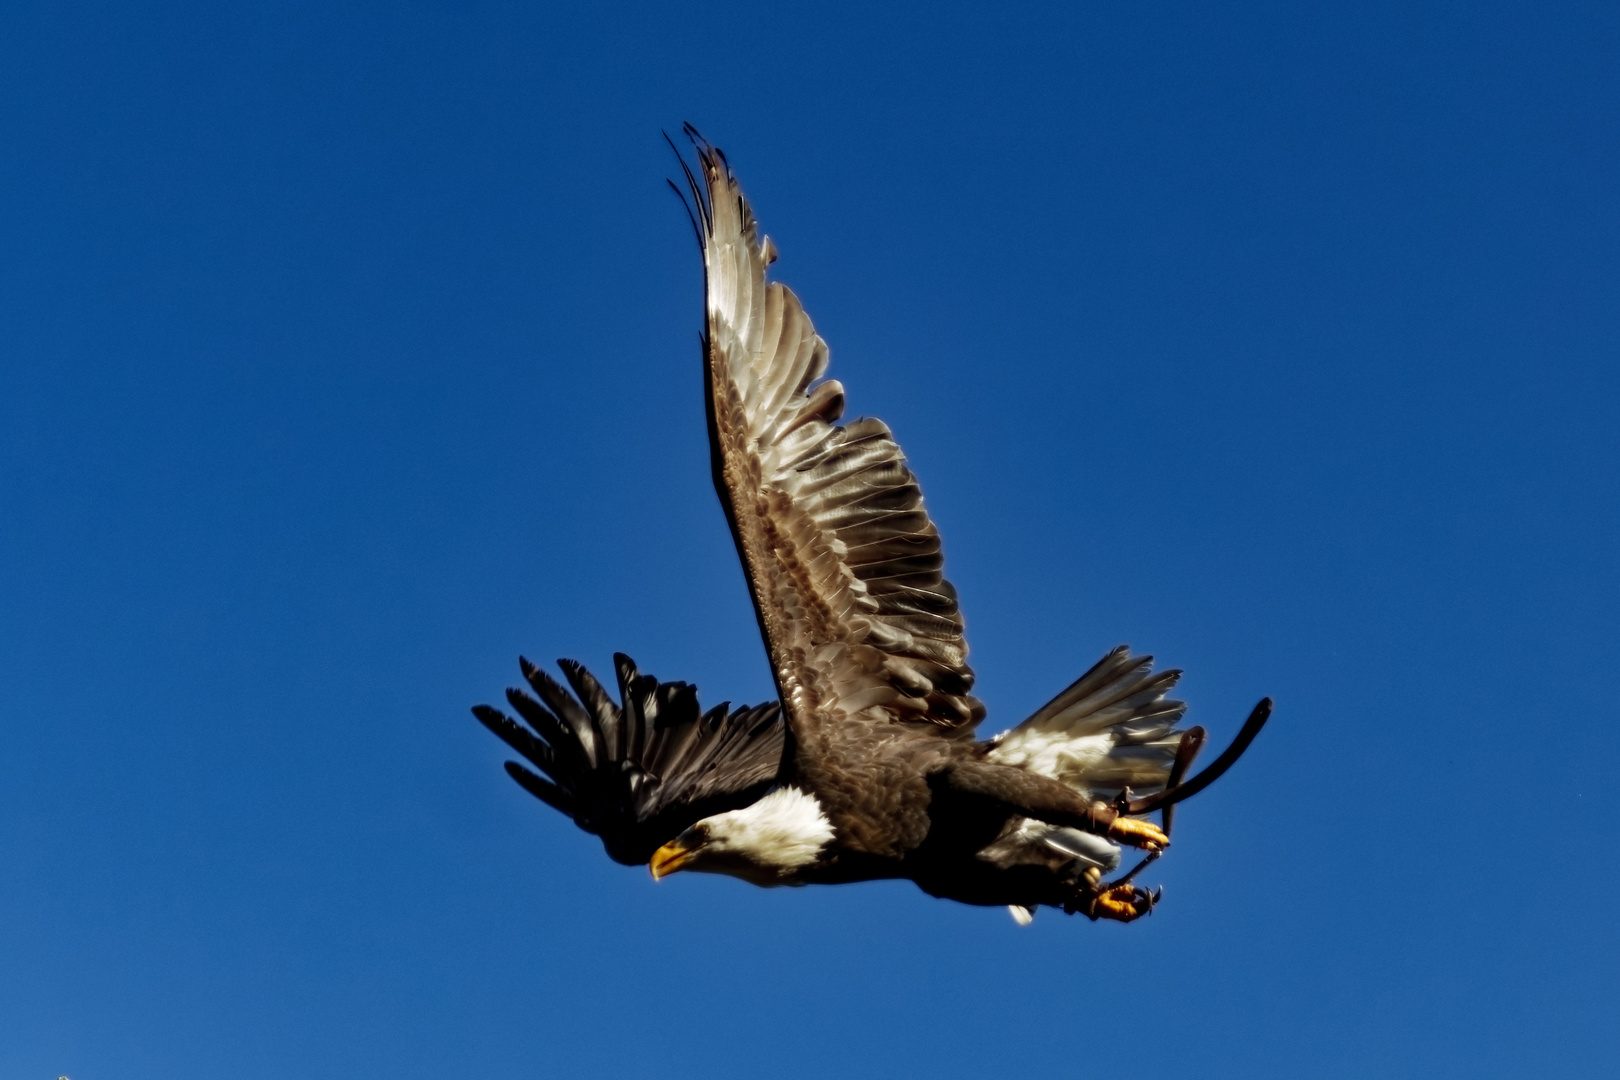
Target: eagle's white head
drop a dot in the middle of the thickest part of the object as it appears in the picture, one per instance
(765, 843)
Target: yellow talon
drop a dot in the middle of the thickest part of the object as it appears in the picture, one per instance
(1123, 903)
(1138, 833)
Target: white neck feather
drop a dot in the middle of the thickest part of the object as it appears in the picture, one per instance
(785, 829)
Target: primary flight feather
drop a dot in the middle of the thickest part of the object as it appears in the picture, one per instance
(868, 766)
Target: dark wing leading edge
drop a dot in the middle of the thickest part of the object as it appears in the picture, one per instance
(638, 773)
(843, 563)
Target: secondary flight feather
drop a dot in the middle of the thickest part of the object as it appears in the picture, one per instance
(868, 766)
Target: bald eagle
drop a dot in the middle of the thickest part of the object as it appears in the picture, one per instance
(867, 766)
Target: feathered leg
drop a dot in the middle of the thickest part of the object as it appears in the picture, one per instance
(1045, 799)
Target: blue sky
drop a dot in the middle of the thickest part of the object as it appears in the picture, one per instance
(348, 351)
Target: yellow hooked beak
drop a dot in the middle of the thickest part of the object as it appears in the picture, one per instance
(670, 858)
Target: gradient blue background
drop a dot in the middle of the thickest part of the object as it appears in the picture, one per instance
(345, 354)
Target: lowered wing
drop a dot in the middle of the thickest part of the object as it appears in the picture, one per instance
(637, 773)
(844, 565)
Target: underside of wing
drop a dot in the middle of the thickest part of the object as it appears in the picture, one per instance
(639, 772)
(843, 563)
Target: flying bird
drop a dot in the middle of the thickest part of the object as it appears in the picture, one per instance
(867, 766)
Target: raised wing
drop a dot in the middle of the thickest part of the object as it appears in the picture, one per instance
(639, 773)
(842, 561)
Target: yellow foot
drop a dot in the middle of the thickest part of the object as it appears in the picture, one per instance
(1122, 903)
(1138, 833)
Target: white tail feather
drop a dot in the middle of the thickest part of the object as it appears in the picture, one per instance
(1111, 729)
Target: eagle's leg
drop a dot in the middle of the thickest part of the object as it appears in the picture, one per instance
(1120, 901)
(1045, 799)
(1137, 833)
